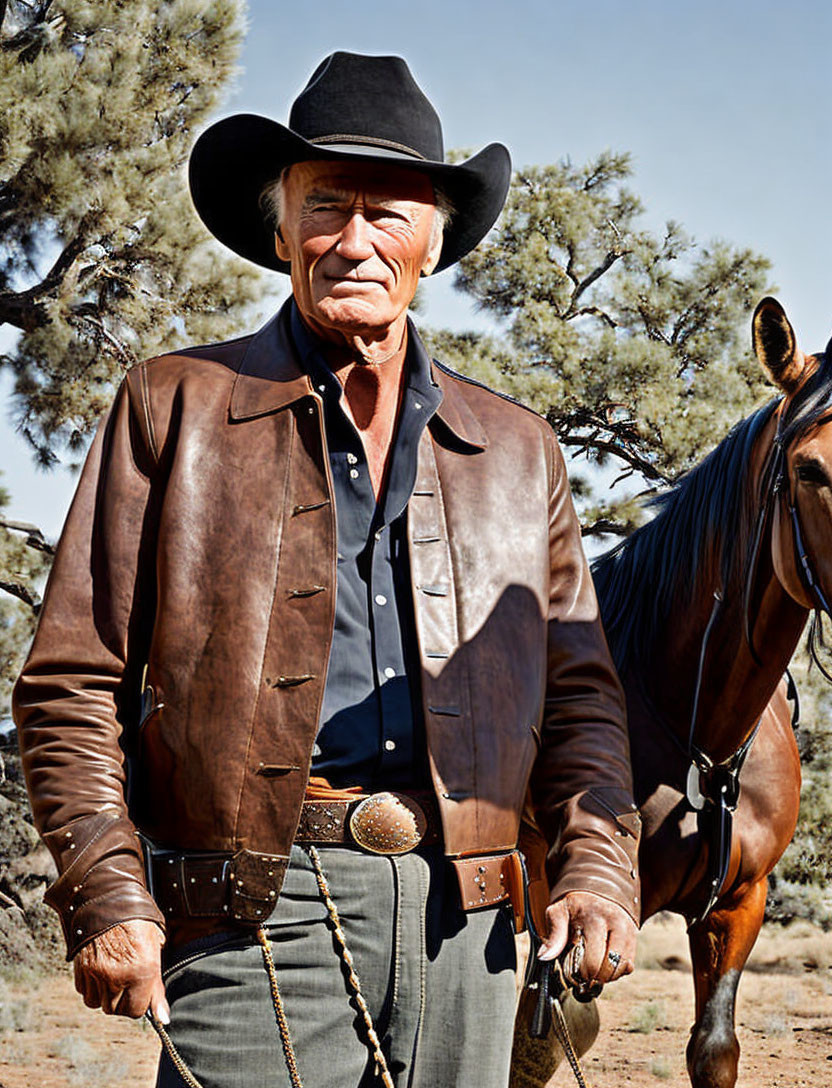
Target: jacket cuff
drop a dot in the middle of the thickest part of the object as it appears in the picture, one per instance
(101, 881)
(597, 850)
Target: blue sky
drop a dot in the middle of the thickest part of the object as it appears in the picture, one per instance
(725, 108)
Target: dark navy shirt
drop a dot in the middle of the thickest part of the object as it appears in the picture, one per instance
(371, 730)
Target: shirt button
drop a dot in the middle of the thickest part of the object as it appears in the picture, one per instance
(354, 473)
(389, 673)
(381, 599)
(390, 745)
(352, 459)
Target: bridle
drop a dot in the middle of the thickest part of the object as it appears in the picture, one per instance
(776, 483)
(714, 788)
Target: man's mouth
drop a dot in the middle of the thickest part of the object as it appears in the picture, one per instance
(353, 282)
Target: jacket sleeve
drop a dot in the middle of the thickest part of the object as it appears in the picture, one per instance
(581, 785)
(80, 684)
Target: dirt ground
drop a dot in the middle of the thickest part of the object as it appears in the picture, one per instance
(48, 1039)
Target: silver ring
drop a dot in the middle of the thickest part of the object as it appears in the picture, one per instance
(614, 958)
(578, 949)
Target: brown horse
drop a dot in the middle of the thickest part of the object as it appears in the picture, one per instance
(703, 608)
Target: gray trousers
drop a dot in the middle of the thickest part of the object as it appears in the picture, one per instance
(439, 984)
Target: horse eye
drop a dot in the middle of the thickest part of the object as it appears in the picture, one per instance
(810, 472)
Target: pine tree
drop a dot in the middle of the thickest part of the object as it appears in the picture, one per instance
(632, 344)
(102, 258)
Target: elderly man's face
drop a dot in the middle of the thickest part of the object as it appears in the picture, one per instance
(357, 235)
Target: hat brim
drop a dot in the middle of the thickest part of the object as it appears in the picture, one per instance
(233, 161)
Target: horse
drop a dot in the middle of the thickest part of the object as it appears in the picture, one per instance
(703, 607)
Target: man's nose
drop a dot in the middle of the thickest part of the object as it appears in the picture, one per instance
(354, 243)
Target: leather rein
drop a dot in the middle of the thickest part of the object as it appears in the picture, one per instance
(713, 789)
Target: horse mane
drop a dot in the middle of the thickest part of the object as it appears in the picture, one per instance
(705, 519)
(704, 522)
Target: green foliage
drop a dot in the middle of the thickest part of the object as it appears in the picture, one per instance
(103, 259)
(24, 562)
(633, 345)
(800, 884)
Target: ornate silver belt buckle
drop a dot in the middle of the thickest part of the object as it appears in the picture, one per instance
(388, 823)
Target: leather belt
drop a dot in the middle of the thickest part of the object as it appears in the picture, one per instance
(244, 886)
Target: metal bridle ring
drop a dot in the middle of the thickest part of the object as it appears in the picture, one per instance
(614, 958)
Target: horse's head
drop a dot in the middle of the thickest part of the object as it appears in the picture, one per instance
(802, 524)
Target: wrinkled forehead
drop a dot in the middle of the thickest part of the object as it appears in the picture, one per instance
(376, 180)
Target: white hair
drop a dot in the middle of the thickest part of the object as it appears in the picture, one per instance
(271, 204)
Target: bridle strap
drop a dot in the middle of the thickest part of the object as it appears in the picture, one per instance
(703, 649)
(807, 577)
(805, 573)
(770, 486)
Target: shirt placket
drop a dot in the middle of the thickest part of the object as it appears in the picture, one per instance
(370, 739)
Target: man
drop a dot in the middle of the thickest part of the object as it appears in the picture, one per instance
(347, 587)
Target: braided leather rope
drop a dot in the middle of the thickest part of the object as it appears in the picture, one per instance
(373, 1043)
(565, 1040)
(279, 1014)
(174, 1055)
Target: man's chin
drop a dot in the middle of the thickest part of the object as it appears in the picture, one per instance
(353, 316)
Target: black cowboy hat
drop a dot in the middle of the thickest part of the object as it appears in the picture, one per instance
(367, 109)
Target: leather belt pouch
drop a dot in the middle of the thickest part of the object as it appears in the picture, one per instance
(243, 886)
(489, 879)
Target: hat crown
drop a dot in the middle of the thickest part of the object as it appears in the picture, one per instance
(373, 101)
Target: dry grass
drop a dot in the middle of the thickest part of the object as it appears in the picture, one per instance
(648, 1017)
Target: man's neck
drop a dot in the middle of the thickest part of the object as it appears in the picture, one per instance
(373, 382)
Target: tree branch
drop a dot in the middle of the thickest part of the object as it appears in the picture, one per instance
(34, 536)
(605, 265)
(117, 346)
(22, 593)
(570, 265)
(594, 311)
(606, 527)
(622, 451)
(25, 309)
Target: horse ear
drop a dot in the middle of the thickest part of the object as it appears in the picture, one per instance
(776, 347)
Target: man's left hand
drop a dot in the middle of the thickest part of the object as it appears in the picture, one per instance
(601, 934)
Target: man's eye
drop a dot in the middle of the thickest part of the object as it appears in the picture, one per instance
(386, 213)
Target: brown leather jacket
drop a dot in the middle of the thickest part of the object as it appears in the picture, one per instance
(199, 552)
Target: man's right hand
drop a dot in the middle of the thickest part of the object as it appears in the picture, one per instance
(120, 971)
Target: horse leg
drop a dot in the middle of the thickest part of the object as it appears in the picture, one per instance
(719, 947)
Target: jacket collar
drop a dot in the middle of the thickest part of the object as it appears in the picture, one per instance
(455, 411)
(271, 377)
